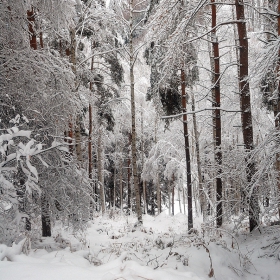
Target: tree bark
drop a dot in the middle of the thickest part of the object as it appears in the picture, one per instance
(187, 150)
(277, 114)
(198, 160)
(73, 59)
(173, 194)
(90, 138)
(133, 117)
(31, 23)
(217, 118)
(158, 195)
(45, 216)
(246, 116)
(128, 185)
(121, 184)
(100, 170)
(142, 160)
(145, 197)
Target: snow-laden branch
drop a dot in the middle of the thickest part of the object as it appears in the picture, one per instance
(201, 110)
(96, 54)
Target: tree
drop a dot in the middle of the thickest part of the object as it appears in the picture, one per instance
(246, 116)
(217, 117)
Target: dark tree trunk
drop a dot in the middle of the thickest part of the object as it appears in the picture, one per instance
(46, 223)
(31, 23)
(128, 185)
(173, 196)
(90, 175)
(246, 116)
(217, 117)
(187, 150)
(277, 115)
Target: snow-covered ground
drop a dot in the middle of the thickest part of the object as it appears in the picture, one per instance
(112, 248)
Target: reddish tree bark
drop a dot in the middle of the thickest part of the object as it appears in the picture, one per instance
(245, 104)
(187, 150)
(217, 117)
(31, 23)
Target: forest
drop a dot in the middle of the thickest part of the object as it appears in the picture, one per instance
(153, 122)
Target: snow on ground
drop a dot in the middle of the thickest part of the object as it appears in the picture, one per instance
(113, 248)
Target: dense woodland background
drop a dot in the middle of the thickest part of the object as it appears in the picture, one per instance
(137, 106)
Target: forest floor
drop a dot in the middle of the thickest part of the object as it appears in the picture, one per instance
(113, 248)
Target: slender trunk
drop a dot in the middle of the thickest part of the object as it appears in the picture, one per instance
(73, 59)
(179, 199)
(173, 194)
(121, 184)
(187, 150)
(45, 206)
(142, 159)
(169, 197)
(100, 170)
(128, 185)
(45, 216)
(198, 161)
(133, 119)
(217, 118)
(246, 117)
(277, 114)
(90, 138)
(145, 197)
(184, 200)
(158, 194)
(114, 191)
(31, 25)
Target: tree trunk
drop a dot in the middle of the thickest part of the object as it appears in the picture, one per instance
(277, 115)
(246, 117)
(187, 150)
(90, 139)
(128, 186)
(133, 118)
(31, 25)
(100, 170)
(198, 160)
(158, 194)
(115, 184)
(73, 59)
(173, 194)
(142, 160)
(145, 197)
(121, 184)
(45, 207)
(45, 216)
(217, 118)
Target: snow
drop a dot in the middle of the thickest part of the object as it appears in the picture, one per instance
(113, 248)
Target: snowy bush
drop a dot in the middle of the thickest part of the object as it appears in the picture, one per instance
(32, 180)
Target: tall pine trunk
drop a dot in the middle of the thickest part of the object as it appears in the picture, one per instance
(202, 199)
(246, 116)
(45, 206)
(277, 114)
(73, 60)
(187, 150)
(133, 117)
(100, 171)
(128, 185)
(121, 183)
(31, 25)
(217, 117)
(90, 169)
